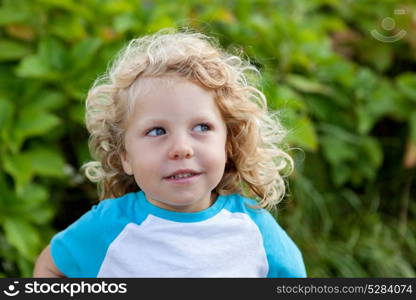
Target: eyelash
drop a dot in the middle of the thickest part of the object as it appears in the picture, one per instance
(201, 124)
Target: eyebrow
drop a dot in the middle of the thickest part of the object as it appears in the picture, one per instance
(208, 117)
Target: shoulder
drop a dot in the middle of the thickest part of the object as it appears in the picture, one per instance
(283, 255)
(79, 249)
(114, 207)
(106, 216)
(241, 204)
(261, 217)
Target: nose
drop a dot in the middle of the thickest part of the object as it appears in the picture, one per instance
(180, 149)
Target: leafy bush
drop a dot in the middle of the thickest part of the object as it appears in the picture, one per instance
(348, 100)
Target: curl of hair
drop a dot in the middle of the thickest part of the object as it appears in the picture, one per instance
(256, 164)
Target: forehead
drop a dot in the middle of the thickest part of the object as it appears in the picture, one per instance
(172, 96)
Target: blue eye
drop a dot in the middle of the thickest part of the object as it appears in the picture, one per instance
(202, 127)
(156, 131)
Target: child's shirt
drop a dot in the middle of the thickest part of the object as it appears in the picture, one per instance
(131, 237)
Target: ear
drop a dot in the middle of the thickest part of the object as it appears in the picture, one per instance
(125, 162)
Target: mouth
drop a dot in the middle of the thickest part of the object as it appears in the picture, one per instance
(182, 176)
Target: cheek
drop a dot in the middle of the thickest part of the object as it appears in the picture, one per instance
(144, 161)
(145, 173)
(218, 155)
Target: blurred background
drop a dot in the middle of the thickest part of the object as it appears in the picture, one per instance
(341, 73)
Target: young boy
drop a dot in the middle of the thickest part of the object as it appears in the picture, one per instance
(181, 140)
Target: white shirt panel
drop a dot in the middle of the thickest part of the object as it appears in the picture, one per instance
(226, 245)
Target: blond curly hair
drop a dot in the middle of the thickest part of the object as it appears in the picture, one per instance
(256, 163)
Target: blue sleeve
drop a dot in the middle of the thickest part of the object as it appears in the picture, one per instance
(78, 251)
(284, 257)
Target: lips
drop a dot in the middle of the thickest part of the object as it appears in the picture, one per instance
(182, 174)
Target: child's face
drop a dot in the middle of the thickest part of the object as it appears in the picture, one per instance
(176, 128)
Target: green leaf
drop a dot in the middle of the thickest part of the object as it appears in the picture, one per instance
(75, 7)
(77, 113)
(41, 215)
(407, 85)
(382, 100)
(35, 204)
(336, 150)
(283, 97)
(340, 174)
(53, 53)
(46, 162)
(23, 166)
(25, 266)
(379, 100)
(33, 123)
(82, 54)
(304, 84)
(301, 132)
(7, 196)
(412, 124)
(19, 167)
(3, 185)
(159, 23)
(23, 236)
(10, 15)
(49, 100)
(11, 50)
(68, 27)
(365, 120)
(219, 14)
(33, 66)
(380, 57)
(34, 194)
(365, 82)
(124, 22)
(65, 4)
(6, 113)
(373, 151)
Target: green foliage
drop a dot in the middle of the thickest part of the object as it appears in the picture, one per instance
(347, 99)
